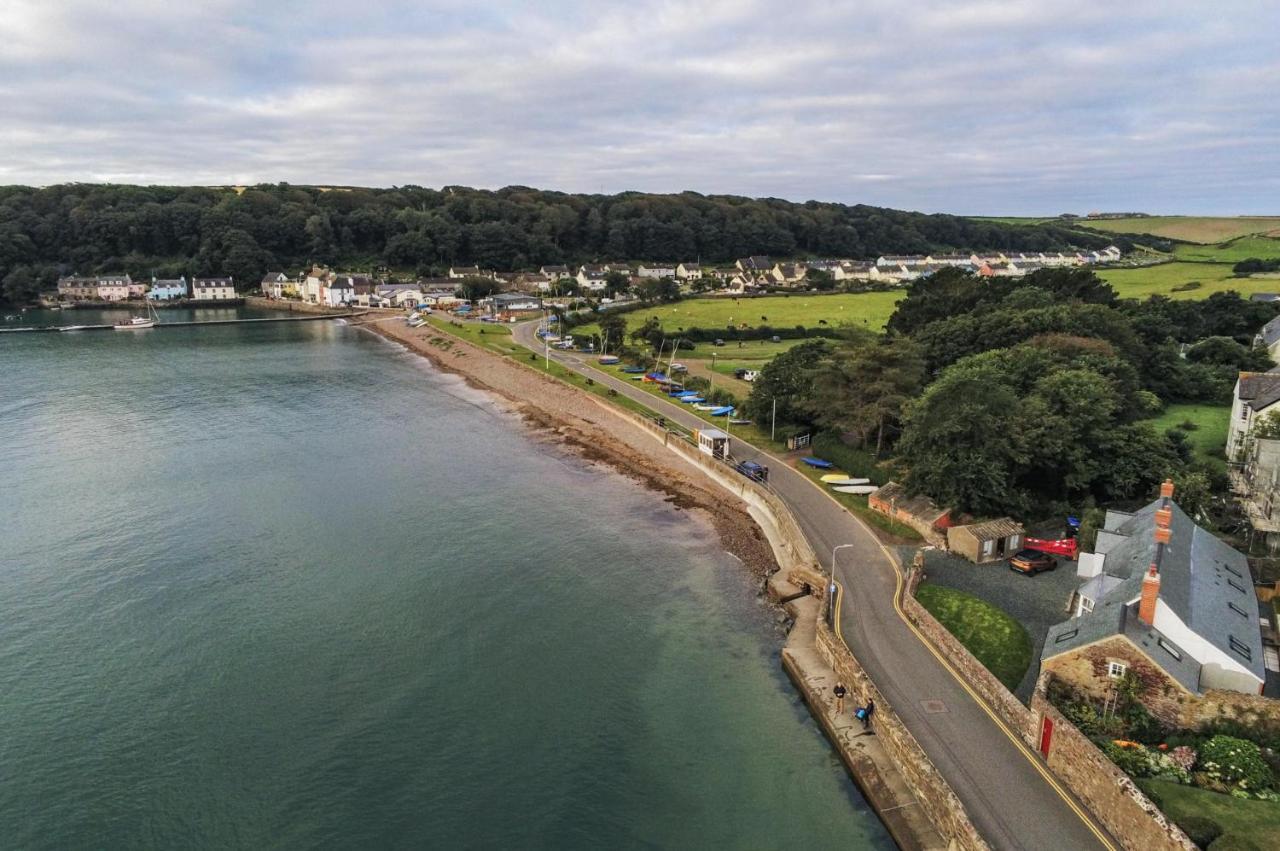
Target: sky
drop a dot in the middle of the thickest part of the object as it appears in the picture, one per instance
(985, 108)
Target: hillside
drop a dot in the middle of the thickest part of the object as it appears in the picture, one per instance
(1201, 229)
(243, 232)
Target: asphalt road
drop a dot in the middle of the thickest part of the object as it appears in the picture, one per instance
(1002, 784)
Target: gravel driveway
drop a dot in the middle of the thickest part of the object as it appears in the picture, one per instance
(1037, 602)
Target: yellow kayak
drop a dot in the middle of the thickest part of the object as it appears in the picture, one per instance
(835, 477)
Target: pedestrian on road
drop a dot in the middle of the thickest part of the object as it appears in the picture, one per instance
(840, 691)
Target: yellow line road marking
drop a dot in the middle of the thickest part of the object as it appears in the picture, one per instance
(1016, 739)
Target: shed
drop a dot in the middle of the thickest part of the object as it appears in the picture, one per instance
(919, 512)
(993, 540)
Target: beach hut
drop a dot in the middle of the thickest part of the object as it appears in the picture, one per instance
(713, 442)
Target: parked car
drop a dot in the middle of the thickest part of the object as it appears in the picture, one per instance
(1031, 562)
(754, 471)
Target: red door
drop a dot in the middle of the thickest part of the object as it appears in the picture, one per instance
(1046, 735)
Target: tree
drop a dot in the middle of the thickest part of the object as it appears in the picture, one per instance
(863, 385)
(475, 287)
(663, 289)
(650, 333)
(787, 379)
(616, 283)
(613, 329)
(20, 286)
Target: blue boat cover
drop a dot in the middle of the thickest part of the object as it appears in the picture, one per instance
(819, 463)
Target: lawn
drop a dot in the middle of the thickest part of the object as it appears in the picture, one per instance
(1264, 248)
(1255, 821)
(1140, 282)
(1204, 229)
(1209, 437)
(862, 310)
(997, 640)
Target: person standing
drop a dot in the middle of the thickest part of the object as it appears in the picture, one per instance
(866, 714)
(840, 691)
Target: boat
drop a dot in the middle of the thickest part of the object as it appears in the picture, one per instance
(836, 477)
(609, 360)
(861, 490)
(633, 370)
(139, 323)
(818, 463)
(722, 412)
(845, 482)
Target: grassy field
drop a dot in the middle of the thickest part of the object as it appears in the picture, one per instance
(1255, 821)
(863, 310)
(1143, 281)
(997, 640)
(1017, 220)
(1205, 229)
(1208, 438)
(1233, 251)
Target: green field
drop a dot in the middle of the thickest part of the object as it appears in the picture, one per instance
(1208, 438)
(861, 310)
(1205, 229)
(1262, 247)
(998, 641)
(1019, 220)
(1257, 822)
(1140, 282)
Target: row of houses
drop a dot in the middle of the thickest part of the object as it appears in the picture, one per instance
(123, 288)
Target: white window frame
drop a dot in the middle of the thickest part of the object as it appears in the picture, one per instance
(1086, 606)
(1116, 670)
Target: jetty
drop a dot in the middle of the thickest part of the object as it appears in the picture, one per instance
(192, 323)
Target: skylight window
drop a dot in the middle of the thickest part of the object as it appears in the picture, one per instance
(1240, 647)
(1233, 570)
(1238, 610)
(1169, 648)
(1066, 636)
(1236, 585)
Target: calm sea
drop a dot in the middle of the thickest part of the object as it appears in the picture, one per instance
(286, 586)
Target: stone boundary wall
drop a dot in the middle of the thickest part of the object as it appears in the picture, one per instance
(931, 789)
(795, 554)
(292, 306)
(1109, 793)
(1016, 716)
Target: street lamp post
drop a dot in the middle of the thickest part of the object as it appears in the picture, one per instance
(831, 587)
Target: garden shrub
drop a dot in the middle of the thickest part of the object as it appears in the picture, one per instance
(1235, 764)
(1201, 830)
(1132, 759)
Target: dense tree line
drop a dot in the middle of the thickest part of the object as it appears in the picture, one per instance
(167, 231)
(1014, 395)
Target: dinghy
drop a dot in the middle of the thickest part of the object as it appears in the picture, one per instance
(818, 463)
(836, 477)
(862, 490)
(845, 481)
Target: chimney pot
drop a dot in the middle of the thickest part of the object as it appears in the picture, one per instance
(1164, 516)
(1166, 489)
(1150, 594)
(1162, 534)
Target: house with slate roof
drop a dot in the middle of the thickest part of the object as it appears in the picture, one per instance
(1167, 600)
(1256, 395)
(1269, 336)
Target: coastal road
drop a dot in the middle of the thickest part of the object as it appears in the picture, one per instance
(1013, 800)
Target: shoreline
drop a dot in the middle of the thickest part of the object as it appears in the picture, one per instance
(558, 413)
(771, 547)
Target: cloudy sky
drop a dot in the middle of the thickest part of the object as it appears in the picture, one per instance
(974, 107)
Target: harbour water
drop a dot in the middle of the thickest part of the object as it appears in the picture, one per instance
(286, 586)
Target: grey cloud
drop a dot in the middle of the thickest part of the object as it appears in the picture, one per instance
(1032, 107)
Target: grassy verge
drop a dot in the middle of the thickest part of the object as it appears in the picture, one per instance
(1254, 821)
(858, 505)
(997, 640)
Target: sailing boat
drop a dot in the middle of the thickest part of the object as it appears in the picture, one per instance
(139, 323)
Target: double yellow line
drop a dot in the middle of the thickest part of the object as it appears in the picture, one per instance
(1030, 755)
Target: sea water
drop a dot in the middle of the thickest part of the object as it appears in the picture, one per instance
(288, 586)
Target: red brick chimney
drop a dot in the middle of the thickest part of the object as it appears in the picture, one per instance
(1150, 593)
